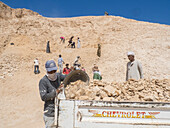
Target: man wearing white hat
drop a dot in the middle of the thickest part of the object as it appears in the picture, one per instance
(134, 68)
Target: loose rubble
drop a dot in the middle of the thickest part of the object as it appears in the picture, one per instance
(8, 67)
(143, 90)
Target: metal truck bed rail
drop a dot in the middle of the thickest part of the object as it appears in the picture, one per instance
(105, 114)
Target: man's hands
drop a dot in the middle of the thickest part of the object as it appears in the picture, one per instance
(60, 88)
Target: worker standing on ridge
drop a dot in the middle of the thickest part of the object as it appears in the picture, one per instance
(134, 68)
(60, 63)
(48, 47)
(49, 88)
(106, 13)
(36, 66)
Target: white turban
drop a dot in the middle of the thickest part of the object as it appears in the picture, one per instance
(131, 53)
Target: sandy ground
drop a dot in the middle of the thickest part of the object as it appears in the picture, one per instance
(20, 104)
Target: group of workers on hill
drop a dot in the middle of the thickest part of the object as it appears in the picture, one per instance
(50, 85)
(67, 70)
(76, 66)
(134, 67)
(71, 43)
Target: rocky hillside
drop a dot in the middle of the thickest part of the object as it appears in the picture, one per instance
(117, 35)
(29, 33)
(8, 13)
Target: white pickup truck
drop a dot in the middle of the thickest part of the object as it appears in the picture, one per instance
(109, 114)
(104, 114)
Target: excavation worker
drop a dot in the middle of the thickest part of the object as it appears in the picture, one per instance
(49, 86)
(62, 39)
(78, 43)
(96, 73)
(66, 70)
(60, 63)
(99, 50)
(77, 62)
(36, 66)
(48, 47)
(70, 41)
(134, 68)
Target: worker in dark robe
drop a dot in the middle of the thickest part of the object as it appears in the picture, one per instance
(99, 50)
(48, 47)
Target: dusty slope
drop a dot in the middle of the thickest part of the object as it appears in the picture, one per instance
(30, 32)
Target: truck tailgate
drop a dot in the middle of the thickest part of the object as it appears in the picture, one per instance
(105, 114)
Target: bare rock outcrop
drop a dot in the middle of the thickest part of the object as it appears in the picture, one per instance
(7, 13)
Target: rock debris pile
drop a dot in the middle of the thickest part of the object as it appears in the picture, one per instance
(143, 90)
(8, 68)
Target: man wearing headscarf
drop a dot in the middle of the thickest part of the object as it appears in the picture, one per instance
(134, 68)
(49, 87)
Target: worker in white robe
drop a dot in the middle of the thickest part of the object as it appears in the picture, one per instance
(134, 68)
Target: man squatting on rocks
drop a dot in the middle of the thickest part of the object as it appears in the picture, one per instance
(76, 63)
(134, 68)
(49, 87)
(96, 73)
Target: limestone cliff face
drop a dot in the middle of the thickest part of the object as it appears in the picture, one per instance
(6, 12)
(117, 35)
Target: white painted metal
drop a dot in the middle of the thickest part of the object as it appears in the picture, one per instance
(56, 112)
(66, 114)
(101, 114)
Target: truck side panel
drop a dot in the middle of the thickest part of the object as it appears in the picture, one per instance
(101, 114)
(66, 114)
